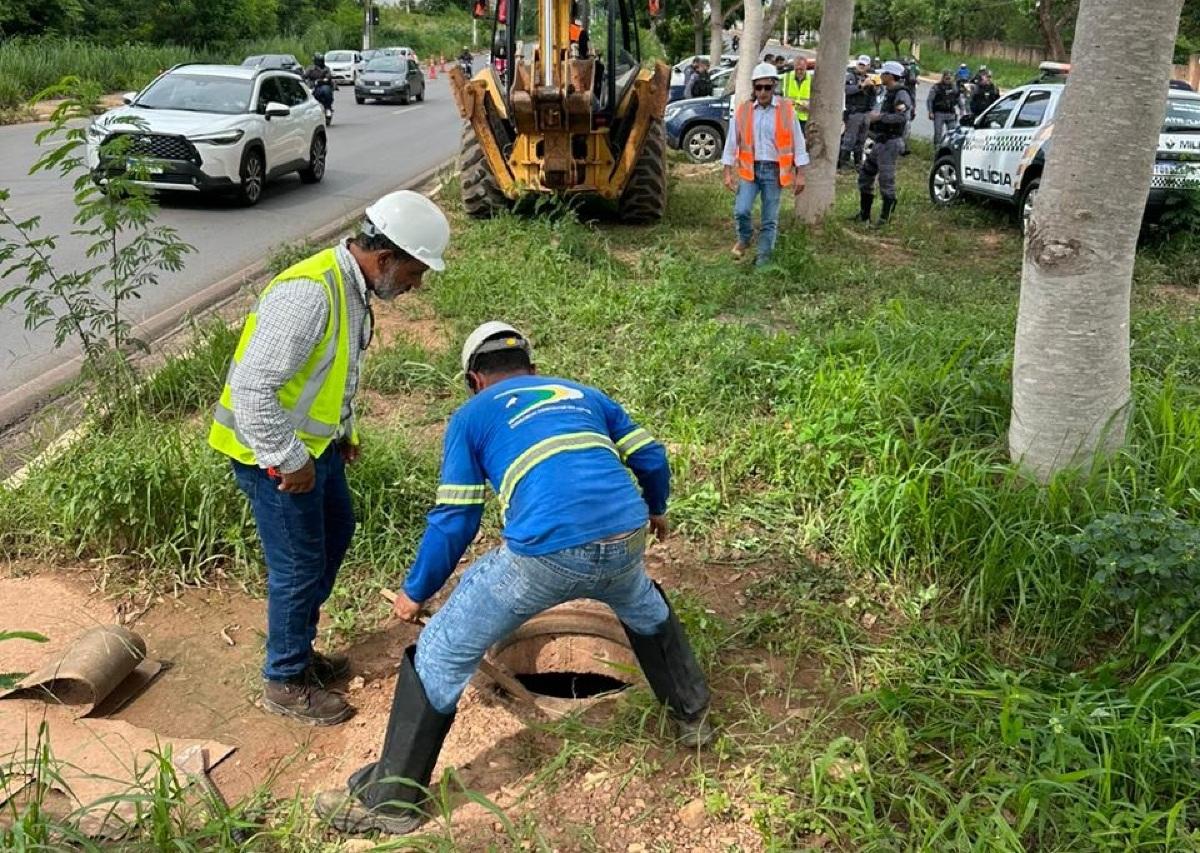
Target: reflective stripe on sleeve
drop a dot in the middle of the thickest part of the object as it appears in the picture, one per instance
(459, 495)
(633, 442)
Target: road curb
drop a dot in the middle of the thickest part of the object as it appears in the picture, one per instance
(24, 400)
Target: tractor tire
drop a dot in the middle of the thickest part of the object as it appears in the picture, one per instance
(645, 198)
(482, 197)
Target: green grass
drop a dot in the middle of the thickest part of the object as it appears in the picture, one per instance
(838, 422)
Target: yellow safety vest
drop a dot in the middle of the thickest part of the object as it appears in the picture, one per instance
(313, 397)
(797, 91)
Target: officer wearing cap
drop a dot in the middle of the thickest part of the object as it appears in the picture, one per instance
(286, 421)
(887, 125)
(860, 97)
(558, 455)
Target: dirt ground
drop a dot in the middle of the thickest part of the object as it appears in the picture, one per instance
(211, 641)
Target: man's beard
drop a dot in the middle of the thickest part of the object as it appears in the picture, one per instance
(389, 286)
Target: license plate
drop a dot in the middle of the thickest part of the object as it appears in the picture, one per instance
(377, 91)
(142, 166)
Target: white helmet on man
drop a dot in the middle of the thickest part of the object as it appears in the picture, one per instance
(414, 223)
(506, 337)
(892, 67)
(764, 71)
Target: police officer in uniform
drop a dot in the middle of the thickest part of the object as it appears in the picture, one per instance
(860, 96)
(942, 105)
(887, 132)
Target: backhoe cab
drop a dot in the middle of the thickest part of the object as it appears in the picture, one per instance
(562, 116)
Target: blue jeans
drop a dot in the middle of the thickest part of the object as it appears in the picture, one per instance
(501, 590)
(766, 181)
(304, 538)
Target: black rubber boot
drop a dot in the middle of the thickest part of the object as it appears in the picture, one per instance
(889, 204)
(389, 795)
(843, 160)
(674, 675)
(865, 201)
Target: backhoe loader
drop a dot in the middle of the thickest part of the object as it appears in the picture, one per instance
(562, 117)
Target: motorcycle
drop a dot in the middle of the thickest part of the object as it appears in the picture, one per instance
(467, 67)
(323, 94)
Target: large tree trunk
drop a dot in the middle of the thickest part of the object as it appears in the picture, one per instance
(752, 40)
(1051, 27)
(716, 44)
(1071, 391)
(698, 27)
(824, 130)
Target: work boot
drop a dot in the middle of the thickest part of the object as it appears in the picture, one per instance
(843, 160)
(865, 200)
(306, 701)
(389, 795)
(326, 669)
(889, 204)
(738, 251)
(674, 675)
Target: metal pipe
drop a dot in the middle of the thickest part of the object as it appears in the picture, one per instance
(547, 42)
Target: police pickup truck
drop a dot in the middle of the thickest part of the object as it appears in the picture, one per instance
(1000, 154)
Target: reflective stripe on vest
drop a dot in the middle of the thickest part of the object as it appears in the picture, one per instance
(543, 450)
(313, 399)
(784, 141)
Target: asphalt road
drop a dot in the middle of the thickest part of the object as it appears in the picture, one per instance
(373, 148)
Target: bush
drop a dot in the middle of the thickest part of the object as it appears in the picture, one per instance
(1147, 565)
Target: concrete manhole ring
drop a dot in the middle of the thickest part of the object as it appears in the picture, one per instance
(570, 657)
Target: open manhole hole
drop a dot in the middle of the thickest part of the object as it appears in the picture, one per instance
(569, 654)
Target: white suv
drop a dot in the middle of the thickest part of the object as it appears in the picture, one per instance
(213, 128)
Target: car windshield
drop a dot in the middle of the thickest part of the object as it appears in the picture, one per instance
(339, 56)
(253, 60)
(386, 63)
(198, 93)
(1183, 116)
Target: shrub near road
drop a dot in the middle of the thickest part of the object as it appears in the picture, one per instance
(912, 647)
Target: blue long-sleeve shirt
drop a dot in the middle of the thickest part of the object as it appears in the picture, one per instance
(558, 455)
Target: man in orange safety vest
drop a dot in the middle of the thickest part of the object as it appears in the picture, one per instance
(764, 152)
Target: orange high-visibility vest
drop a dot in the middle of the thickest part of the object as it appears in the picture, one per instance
(785, 142)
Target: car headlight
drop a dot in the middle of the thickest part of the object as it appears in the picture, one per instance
(671, 112)
(224, 137)
(96, 132)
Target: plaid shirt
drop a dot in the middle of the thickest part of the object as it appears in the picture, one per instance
(291, 322)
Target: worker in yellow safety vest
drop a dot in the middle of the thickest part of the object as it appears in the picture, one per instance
(286, 421)
(796, 86)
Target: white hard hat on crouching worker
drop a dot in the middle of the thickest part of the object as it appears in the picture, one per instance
(864, 60)
(503, 337)
(892, 67)
(764, 71)
(414, 223)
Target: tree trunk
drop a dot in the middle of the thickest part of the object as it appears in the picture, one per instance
(698, 27)
(1051, 31)
(752, 40)
(770, 22)
(716, 44)
(824, 130)
(896, 45)
(1071, 389)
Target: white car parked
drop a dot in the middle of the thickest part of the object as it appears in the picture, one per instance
(345, 66)
(222, 128)
(727, 60)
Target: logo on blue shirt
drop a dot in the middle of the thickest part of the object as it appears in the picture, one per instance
(534, 397)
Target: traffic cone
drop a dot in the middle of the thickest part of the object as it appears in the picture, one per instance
(432, 70)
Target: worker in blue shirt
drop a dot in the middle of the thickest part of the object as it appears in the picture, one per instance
(558, 455)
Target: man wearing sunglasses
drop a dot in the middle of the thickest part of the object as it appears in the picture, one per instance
(764, 153)
(286, 421)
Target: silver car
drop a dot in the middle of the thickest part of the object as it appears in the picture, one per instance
(345, 65)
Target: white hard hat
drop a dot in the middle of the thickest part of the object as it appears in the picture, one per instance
(863, 59)
(414, 223)
(764, 70)
(477, 342)
(892, 67)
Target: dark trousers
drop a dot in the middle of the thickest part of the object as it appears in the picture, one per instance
(304, 538)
